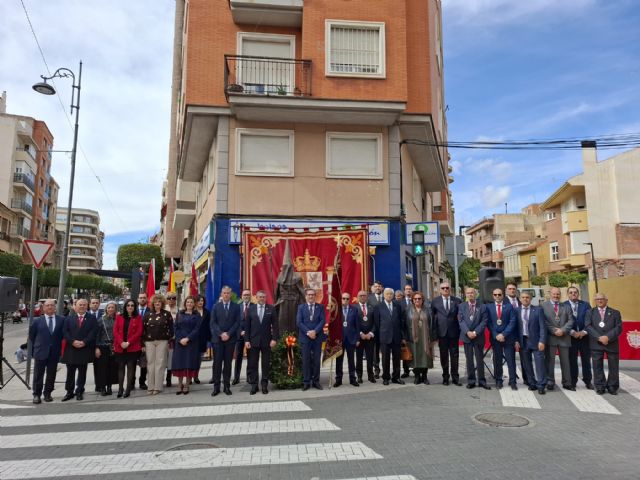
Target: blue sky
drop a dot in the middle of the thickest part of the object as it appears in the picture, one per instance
(514, 69)
(534, 69)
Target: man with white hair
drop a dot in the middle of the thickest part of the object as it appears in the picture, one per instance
(390, 330)
(559, 325)
(604, 325)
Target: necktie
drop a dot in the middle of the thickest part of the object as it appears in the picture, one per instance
(525, 318)
(226, 307)
(364, 309)
(50, 320)
(260, 312)
(601, 314)
(244, 312)
(80, 320)
(311, 310)
(555, 308)
(514, 302)
(499, 308)
(446, 304)
(390, 308)
(344, 314)
(473, 309)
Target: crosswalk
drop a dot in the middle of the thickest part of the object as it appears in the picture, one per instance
(70, 430)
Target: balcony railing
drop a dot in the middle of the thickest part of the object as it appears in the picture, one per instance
(250, 75)
(21, 204)
(25, 179)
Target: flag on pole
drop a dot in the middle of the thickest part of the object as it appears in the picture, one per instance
(151, 279)
(209, 294)
(193, 283)
(172, 280)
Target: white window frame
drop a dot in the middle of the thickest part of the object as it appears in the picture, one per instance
(264, 132)
(272, 38)
(555, 256)
(378, 175)
(364, 25)
(550, 215)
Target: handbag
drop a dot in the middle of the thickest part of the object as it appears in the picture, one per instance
(405, 353)
(106, 334)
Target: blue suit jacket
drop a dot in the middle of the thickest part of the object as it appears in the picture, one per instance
(579, 321)
(306, 323)
(46, 345)
(537, 328)
(222, 321)
(509, 327)
(478, 324)
(389, 327)
(350, 333)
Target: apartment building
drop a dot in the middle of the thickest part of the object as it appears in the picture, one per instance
(301, 112)
(86, 241)
(26, 186)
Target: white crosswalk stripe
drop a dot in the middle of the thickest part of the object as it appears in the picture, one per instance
(630, 385)
(522, 398)
(588, 401)
(8, 406)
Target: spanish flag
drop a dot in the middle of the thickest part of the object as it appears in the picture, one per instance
(172, 281)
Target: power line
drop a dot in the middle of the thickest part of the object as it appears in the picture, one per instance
(86, 158)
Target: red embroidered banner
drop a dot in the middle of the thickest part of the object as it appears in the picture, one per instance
(325, 260)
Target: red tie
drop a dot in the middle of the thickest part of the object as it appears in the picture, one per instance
(80, 320)
(499, 307)
(364, 309)
(555, 308)
(244, 312)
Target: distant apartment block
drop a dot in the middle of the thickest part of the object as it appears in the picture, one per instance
(85, 239)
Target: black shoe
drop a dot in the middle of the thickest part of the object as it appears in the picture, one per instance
(48, 398)
(376, 374)
(569, 387)
(426, 381)
(445, 382)
(417, 379)
(498, 386)
(404, 375)
(514, 387)
(68, 396)
(36, 400)
(317, 385)
(127, 393)
(551, 387)
(79, 396)
(359, 379)
(612, 391)
(104, 393)
(398, 381)
(254, 390)
(354, 383)
(485, 386)
(533, 387)
(457, 382)
(98, 390)
(385, 382)
(109, 391)
(211, 382)
(306, 387)
(599, 391)
(215, 392)
(143, 386)
(589, 386)
(227, 391)
(471, 385)
(168, 383)
(235, 381)
(196, 380)
(120, 392)
(541, 391)
(372, 379)
(337, 383)
(265, 389)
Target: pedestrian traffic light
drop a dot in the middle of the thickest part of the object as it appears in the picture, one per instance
(417, 239)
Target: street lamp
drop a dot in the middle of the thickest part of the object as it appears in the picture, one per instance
(593, 265)
(455, 258)
(47, 89)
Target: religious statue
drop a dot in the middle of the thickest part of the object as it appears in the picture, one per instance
(289, 294)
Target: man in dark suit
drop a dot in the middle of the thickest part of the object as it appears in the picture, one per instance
(389, 328)
(225, 323)
(240, 342)
(310, 320)
(374, 299)
(46, 341)
(532, 341)
(604, 325)
(350, 340)
(366, 340)
(79, 330)
(511, 296)
(578, 309)
(261, 334)
(503, 327)
(472, 317)
(559, 326)
(444, 310)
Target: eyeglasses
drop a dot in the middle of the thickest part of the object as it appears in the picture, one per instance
(345, 298)
(497, 294)
(444, 288)
(131, 305)
(171, 298)
(417, 298)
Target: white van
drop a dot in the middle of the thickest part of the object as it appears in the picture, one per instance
(537, 294)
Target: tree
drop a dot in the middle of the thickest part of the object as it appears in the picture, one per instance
(538, 280)
(509, 280)
(577, 278)
(467, 272)
(10, 265)
(132, 254)
(558, 280)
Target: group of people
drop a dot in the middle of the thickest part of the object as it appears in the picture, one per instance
(394, 331)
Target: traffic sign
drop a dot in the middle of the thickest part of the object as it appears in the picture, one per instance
(38, 251)
(431, 232)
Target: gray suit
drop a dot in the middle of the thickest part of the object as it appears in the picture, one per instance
(562, 320)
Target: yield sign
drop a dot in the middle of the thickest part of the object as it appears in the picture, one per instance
(38, 250)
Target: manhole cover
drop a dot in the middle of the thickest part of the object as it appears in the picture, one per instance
(502, 420)
(189, 454)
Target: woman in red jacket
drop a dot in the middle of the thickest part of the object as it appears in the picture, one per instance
(127, 344)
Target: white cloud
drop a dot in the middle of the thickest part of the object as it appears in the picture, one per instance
(495, 196)
(456, 165)
(489, 166)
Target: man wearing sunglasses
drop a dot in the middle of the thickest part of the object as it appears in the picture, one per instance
(503, 325)
(444, 311)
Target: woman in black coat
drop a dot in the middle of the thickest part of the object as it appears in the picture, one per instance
(205, 331)
(186, 353)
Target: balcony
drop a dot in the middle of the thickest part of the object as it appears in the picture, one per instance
(576, 221)
(574, 260)
(486, 258)
(21, 204)
(23, 179)
(25, 129)
(497, 257)
(18, 231)
(279, 13)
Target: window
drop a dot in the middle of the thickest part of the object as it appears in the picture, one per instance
(437, 201)
(549, 216)
(355, 49)
(354, 155)
(555, 251)
(264, 152)
(417, 189)
(257, 74)
(534, 266)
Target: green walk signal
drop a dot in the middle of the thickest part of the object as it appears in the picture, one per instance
(418, 250)
(417, 239)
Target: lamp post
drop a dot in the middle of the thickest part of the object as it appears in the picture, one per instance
(593, 265)
(455, 258)
(47, 89)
